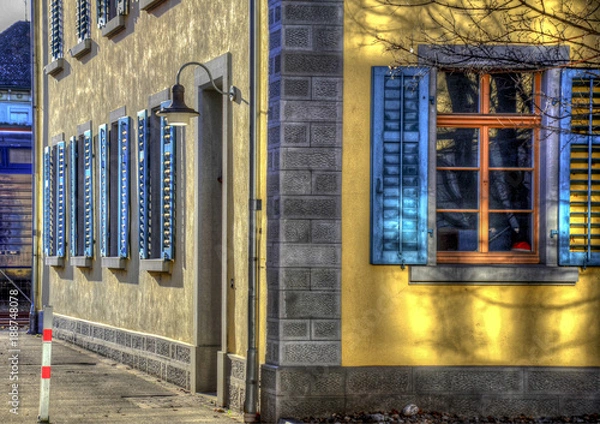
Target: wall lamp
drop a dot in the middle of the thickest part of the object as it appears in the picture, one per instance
(177, 112)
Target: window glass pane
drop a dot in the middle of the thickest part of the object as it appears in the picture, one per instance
(458, 147)
(457, 189)
(457, 93)
(511, 148)
(457, 232)
(510, 232)
(19, 156)
(511, 93)
(510, 189)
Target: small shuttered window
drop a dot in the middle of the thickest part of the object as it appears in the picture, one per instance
(83, 20)
(579, 206)
(399, 144)
(56, 29)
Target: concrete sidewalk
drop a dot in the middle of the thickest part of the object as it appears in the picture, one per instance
(87, 388)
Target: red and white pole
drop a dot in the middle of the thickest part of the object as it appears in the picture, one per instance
(43, 416)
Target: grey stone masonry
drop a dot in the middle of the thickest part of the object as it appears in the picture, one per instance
(304, 183)
(163, 358)
(298, 391)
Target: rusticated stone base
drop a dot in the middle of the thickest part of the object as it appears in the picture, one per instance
(163, 358)
(295, 392)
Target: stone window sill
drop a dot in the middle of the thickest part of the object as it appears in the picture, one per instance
(156, 265)
(494, 275)
(149, 4)
(81, 261)
(57, 261)
(55, 67)
(114, 263)
(82, 48)
(114, 26)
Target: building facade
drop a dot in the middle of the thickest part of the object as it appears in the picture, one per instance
(419, 233)
(15, 164)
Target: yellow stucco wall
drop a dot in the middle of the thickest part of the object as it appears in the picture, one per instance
(125, 70)
(385, 320)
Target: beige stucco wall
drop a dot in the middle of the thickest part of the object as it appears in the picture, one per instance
(125, 70)
(387, 321)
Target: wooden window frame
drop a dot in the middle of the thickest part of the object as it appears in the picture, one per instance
(484, 121)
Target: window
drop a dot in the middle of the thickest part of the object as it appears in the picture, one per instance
(113, 147)
(156, 189)
(579, 210)
(81, 197)
(110, 16)
(475, 185)
(19, 116)
(486, 167)
(83, 20)
(56, 29)
(54, 175)
(15, 160)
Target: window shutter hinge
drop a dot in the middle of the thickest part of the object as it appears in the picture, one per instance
(432, 100)
(553, 233)
(430, 232)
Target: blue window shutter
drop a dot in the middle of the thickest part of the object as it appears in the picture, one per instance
(61, 200)
(83, 20)
(167, 204)
(88, 195)
(122, 7)
(104, 207)
(123, 125)
(579, 171)
(142, 130)
(102, 13)
(73, 195)
(399, 144)
(48, 239)
(56, 29)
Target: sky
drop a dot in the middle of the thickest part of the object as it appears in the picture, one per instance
(12, 11)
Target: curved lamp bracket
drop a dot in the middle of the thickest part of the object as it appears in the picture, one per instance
(177, 112)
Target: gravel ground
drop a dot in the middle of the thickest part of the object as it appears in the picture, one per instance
(422, 417)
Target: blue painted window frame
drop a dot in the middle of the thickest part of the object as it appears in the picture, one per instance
(586, 144)
(399, 165)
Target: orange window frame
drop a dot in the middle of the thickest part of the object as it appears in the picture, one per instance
(484, 121)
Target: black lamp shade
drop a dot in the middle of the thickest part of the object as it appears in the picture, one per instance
(177, 112)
